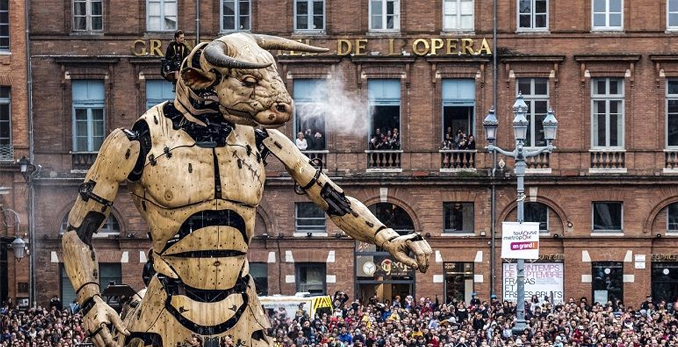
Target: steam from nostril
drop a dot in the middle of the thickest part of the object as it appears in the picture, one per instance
(342, 111)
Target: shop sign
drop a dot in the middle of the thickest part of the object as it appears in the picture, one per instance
(422, 46)
(664, 257)
(541, 279)
(382, 266)
(520, 240)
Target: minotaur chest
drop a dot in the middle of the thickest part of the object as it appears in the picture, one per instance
(180, 172)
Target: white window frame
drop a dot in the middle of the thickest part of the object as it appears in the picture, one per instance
(670, 27)
(88, 16)
(669, 97)
(107, 229)
(310, 15)
(604, 231)
(459, 15)
(384, 15)
(301, 232)
(533, 16)
(311, 101)
(607, 13)
(530, 99)
(608, 98)
(88, 105)
(161, 15)
(7, 151)
(236, 6)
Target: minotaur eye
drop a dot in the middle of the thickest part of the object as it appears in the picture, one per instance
(249, 81)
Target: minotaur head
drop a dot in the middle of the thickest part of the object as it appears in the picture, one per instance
(240, 74)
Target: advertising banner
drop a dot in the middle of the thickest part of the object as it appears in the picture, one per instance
(541, 279)
(520, 240)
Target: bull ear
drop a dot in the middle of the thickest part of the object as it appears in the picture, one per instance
(197, 79)
(275, 42)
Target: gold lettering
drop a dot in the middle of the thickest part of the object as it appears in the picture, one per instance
(142, 50)
(156, 48)
(467, 46)
(436, 44)
(484, 47)
(390, 47)
(452, 46)
(360, 45)
(417, 43)
(344, 47)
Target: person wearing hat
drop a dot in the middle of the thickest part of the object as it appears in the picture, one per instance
(475, 302)
(558, 342)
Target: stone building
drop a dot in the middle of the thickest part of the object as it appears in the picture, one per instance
(15, 128)
(399, 77)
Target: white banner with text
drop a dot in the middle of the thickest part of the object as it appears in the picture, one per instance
(520, 240)
(541, 279)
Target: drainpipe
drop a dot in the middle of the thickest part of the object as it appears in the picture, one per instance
(197, 22)
(493, 197)
(31, 158)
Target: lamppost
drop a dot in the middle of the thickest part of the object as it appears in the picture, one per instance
(520, 125)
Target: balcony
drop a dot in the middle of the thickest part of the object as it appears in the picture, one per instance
(671, 161)
(81, 161)
(317, 155)
(539, 164)
(607, 161)
(6, 153)
(457, 160)
(384, 160)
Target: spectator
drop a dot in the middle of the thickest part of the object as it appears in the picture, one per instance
(301, 141)
(54, 302)
(318, 141)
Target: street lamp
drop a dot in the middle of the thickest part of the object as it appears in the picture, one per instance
(520, 125)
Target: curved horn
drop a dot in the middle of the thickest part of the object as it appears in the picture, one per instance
(215, 54)
(275, 42)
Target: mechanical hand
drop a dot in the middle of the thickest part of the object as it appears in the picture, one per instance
(98, 319)
(401, 246)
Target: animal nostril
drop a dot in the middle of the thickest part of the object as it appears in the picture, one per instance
(280, 108)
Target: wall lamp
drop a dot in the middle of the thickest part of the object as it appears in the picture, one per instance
(25, 167)
(19, 248)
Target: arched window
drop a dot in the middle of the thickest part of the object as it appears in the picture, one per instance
(672, 218)
(110, 227)
(539, 213)
(393, 216)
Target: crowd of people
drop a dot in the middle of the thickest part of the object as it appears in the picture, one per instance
(385, 139)
(458, 141)
(406, 322)
(310, 140)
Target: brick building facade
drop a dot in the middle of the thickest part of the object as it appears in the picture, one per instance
(607, 197)
(14, 145)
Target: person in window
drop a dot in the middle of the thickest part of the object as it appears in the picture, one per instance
(176, 52)
(396, 138)
(301, 142)
(318, 141)
(308, 135)
(458, 138)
